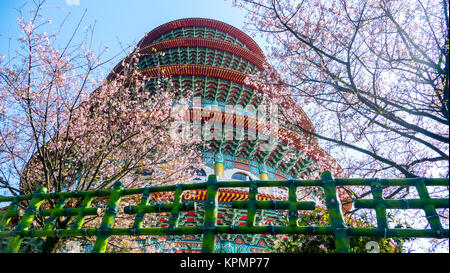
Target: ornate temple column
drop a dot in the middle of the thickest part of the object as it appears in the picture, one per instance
(219, 168)
(263, 172)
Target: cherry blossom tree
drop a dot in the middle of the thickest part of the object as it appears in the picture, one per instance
(63, 127)
(371, 75)
(375, 71)
(66, 129)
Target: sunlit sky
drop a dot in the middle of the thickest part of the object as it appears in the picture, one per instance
(115, 20)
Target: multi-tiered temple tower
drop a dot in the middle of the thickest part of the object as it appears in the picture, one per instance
(213, 59)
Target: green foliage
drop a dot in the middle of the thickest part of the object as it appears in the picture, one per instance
(298, 243)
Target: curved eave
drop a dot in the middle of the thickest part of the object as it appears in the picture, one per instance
(285, 136)
(201, 22)
(247, 55)
(197, 70)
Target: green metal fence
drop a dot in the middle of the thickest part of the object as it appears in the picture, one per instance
(209, 229)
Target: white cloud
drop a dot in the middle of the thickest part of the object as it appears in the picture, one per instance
(73, 2)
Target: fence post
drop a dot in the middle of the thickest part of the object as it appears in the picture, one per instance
(292, 200)
(78, 223)
(51, 220)
(429, 208)
(12, 211)
(104, 231)
(380, 207)
(139, 218)
(209, 235)
(251, 208)
(341, 240)
(26, 220)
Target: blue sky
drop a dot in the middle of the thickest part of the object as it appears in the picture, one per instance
(117, 20)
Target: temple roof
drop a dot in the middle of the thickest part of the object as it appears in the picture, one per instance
(199, 23)
(214, 60)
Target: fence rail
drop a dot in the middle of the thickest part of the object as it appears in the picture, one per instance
(26, 227)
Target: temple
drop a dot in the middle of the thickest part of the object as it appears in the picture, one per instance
(213, 59)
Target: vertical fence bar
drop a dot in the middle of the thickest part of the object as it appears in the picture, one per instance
(139, 218)
(51, 220)
(4, 220)
(251, 209)
(78, 223)
(428, 207)
(341, 240)
(173, 217)
(380, 207)
(292, 200)
(209, 225)
(26, 220)
(104, 231)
